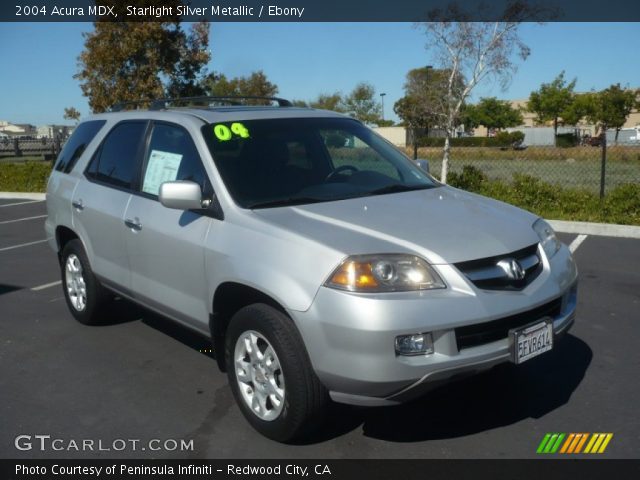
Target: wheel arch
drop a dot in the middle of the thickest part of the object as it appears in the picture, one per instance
(63, 236)
(228, 298)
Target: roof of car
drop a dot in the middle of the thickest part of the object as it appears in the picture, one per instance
(215, 114)
(226, 113)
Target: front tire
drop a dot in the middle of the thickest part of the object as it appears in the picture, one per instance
(270, 374)
(85, 297)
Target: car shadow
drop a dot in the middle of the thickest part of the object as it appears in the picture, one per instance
(6, 288)
(122, 311)
(501, 396)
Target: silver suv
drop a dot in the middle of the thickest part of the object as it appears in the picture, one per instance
(322, 262)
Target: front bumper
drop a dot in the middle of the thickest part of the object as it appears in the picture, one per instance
(350, 337)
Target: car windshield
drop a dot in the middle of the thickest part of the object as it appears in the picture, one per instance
(294, 161)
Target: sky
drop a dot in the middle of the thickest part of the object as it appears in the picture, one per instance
(38, 60)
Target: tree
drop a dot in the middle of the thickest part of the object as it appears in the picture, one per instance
(328, 101)
(474, 51)
(129, 61)
(362, 104)
(494, 114)
(552, 100)
(255, 85)
(417, 108)
(71, 114)
(610, 108)
(579, 108)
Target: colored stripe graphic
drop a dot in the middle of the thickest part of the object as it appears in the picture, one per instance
(594, 437)
(573, 443)
(581, 442)
(550, 443)
(555, 447)
(567, 442)
(605, 443)
(543, 443)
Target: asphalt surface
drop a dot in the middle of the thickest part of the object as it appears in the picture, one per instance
(141, 377)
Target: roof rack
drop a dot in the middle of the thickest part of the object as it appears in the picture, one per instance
(118, 107)
(161, 103)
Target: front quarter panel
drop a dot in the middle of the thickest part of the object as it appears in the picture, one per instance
(279, 264)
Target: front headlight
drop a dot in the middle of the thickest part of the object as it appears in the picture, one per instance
(548, 240)
(384, 273)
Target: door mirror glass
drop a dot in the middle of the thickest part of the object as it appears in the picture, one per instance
(181, 195)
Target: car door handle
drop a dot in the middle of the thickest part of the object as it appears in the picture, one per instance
(133, 224)
(77, 204)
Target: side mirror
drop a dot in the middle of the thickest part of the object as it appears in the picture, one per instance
(181, 195)
(423, 164)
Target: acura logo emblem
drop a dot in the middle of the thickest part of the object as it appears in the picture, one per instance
(512, 268)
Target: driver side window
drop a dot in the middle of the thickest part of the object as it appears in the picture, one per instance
(347, 150)
(172, 155)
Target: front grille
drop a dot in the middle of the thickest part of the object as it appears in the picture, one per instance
(485, 273)
(487, 332)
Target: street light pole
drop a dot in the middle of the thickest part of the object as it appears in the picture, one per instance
(382, 100)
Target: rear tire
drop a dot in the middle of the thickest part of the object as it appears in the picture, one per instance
(85, 296)
(271, 376)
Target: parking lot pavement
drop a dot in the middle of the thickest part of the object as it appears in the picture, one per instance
(141, 377)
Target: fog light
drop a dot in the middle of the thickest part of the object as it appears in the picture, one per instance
(416, 344)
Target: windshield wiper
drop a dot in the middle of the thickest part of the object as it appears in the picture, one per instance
(285, 202)
(397, 187)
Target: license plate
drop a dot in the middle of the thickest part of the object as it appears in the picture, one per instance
(531, 341)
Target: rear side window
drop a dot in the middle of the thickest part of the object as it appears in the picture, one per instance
(77, 143)
(172, 155)
(115, 161)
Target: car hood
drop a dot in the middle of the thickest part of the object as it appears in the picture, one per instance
(443, 224)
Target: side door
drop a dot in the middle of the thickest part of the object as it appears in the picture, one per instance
(166, 246)
(100, 200)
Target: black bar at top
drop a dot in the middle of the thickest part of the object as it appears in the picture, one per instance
(319, 10)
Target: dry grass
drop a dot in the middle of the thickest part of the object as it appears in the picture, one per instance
(577, 167)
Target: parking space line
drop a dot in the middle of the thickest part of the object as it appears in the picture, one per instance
(20, 203)
(22, 219)
(22, 245)
(577, 242)
(46, 285)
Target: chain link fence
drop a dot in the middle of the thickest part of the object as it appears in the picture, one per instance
(580, 167)
(18, 149)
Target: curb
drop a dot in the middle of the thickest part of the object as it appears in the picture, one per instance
(562, 226)
(22, 196)
(598, 229)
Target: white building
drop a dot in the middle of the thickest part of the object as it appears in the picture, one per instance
(395, 135)
(17, 129)
(53, 131)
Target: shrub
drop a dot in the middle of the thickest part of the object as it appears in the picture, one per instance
(24, 177)
(566, 140)
(620, 205)
(508, 139)
(470, 179)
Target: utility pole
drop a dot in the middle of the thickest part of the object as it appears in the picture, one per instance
(382, 100)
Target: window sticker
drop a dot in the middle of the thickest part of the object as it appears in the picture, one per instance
(224, 133)
(161, 167)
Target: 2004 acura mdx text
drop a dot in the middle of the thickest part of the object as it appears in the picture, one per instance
(323, 263)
